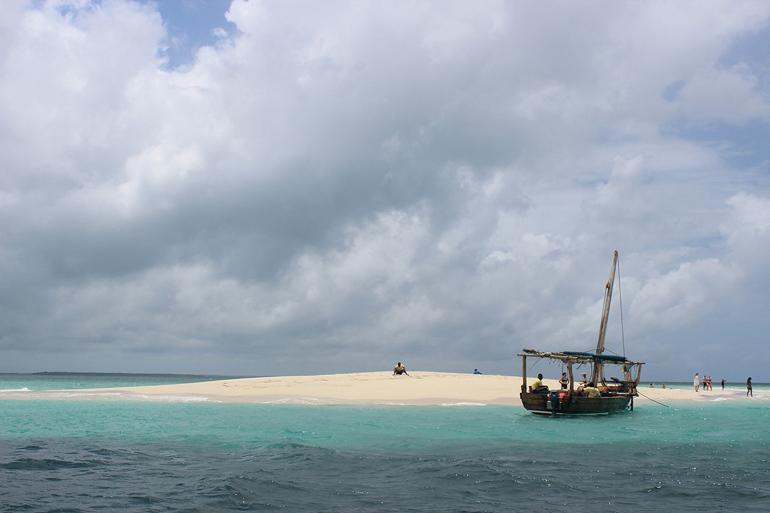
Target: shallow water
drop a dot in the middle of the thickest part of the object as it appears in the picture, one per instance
(137, 456)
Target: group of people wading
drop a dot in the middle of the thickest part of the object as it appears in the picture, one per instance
(708, 385)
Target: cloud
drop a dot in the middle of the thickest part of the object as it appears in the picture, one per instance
(730, 96)
(335, 186)
(685, 294)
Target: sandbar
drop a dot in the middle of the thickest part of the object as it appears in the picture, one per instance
(362, 388)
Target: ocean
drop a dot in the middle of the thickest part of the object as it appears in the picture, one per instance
(107, 455)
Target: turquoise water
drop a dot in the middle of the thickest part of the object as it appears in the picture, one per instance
(69, 455)
(383, 428)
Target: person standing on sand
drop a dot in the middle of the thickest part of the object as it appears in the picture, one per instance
(696, 381)
(723, 383)
(749, 391)
(399, 369)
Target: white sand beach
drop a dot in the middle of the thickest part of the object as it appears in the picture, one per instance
(372, 388)
(417, 388)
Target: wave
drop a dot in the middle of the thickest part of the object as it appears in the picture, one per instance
(294, 400)
(47, 464)
(24, 389)
(172, 398)
(138, 397)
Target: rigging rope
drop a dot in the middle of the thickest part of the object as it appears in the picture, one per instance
(532, 365)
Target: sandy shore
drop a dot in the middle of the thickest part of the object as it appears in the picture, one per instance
(376, 388)
(418, 388)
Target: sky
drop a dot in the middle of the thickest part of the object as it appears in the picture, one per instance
(298, 187)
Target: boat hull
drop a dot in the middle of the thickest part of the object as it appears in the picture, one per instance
(551, 404)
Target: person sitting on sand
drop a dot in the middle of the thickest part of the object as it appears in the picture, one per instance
(476, 371)
(537, 386)
(584, 379)
(399, 369)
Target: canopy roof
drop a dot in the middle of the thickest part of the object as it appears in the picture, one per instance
(579, 357)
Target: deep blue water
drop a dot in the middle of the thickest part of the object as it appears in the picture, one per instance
(69, 455)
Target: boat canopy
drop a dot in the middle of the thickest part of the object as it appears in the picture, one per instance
(579, 357)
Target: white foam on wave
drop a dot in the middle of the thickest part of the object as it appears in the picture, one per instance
(152, 398)
(463, 404)
(57, 393)
(124, 396)
(293, 400)
(716, 399)
(24, 389)
(173, 398)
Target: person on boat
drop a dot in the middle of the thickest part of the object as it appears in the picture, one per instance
(399, 369)
(584, 379)
(696, 381)
(749, 390)
(591, 391)
(626, 373)
(537, 386)
(564, 381)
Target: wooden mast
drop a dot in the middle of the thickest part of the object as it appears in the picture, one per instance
(605, 316)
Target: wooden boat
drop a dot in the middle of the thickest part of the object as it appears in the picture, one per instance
(598, 396)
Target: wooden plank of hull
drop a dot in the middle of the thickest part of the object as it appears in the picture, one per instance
(579, 405)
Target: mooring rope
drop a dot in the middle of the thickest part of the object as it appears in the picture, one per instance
(653, 400)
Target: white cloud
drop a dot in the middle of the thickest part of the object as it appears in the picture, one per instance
(730, 96)
(689, 293)
(442, 184)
